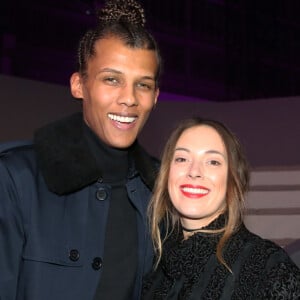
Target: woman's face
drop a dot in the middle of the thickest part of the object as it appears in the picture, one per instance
(198, 176)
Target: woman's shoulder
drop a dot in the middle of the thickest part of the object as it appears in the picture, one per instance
(280, 276)
(269, 254)
(260, 246)
(265, 266)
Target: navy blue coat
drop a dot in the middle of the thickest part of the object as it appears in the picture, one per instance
(53, 215)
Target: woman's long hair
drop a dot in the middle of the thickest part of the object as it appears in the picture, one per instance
(163, 216)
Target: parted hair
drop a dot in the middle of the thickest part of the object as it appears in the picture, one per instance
(163, 216)
(123, 19)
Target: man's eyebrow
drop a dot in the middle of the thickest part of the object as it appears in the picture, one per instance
(148, 78)
(109, 70)
(115, 71)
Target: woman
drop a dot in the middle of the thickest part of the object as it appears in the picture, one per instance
(204, 251)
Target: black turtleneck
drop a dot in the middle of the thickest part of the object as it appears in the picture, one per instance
(120, 250)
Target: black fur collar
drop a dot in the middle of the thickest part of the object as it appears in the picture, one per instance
(67, 163)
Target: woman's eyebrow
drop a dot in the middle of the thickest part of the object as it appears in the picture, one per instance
(182, 149)
(206, 152)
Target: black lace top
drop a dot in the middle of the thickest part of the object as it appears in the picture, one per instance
(189, 269)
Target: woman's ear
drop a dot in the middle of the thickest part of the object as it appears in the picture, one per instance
(76, 86)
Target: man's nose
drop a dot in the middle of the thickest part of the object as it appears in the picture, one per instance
(128, 96)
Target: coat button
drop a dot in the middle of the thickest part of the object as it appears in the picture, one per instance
(97, 263)
(74, 255)
(101, 194)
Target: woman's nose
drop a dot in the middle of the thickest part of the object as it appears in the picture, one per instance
(195, 170)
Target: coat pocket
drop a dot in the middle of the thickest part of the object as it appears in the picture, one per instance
(53, 253)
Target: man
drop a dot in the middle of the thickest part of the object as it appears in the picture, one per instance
(73, 203)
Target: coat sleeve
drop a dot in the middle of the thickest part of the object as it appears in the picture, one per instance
(282, 281)
(11, 234)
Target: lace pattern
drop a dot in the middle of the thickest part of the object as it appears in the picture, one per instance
(262, 270)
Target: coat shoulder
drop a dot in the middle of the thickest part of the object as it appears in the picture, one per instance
(16, 152)
(8, 147)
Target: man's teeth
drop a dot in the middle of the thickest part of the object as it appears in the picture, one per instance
(121, 118)
(195, 190)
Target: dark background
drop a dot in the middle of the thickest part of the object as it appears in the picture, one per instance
(216, 50)
(221, 51)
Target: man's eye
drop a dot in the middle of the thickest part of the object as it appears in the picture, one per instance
(145, 86)
(111, 80)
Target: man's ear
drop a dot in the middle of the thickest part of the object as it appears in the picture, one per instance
(76, 86)
(156, 96)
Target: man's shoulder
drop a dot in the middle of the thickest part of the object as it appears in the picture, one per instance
(16, 153)
(14, 146)
(154, 160)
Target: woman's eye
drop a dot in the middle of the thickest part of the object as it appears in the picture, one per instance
(214, 163)
(179, 159)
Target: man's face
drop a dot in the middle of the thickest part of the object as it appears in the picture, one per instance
(119, 91)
